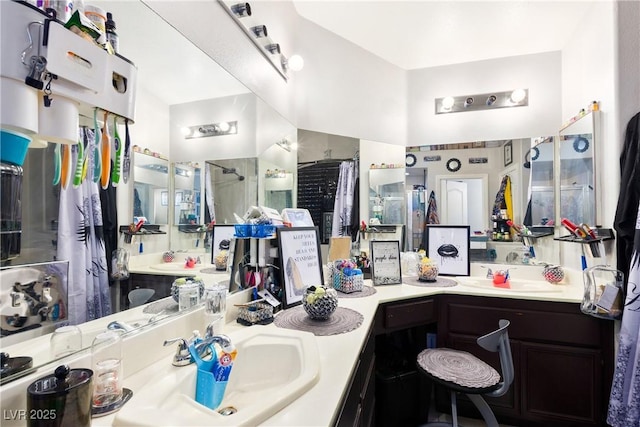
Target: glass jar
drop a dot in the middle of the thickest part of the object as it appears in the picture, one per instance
(604, 293)
(427, 270)
(106, 360)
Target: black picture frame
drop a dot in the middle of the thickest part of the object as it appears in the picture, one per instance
(301, 262)
(448, 246)
(385, 262)
(508, 153)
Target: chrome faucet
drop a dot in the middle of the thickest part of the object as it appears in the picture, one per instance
(202, 347)
(119, 326)
(182, 356)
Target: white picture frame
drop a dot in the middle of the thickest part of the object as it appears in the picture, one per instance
(299, 251)
(385, 262)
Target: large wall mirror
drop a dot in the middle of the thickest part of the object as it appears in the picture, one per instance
(171, 71)
(577, 183)
(461, 183)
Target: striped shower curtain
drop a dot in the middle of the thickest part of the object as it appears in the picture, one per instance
(624, 403)
(343, 207)
(81, 242)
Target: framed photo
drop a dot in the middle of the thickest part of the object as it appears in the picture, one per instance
(164, 198)
(508, 153)
(385, 262)
(178, 198)
(448, 245)
(299, 250)
(221, 237)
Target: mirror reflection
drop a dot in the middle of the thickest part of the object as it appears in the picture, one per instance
(386, 195)
(187, 191)
(577, 171)
(484, 184)
(151, 188)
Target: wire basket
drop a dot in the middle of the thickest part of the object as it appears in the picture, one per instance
(254, 313)
(344, 283)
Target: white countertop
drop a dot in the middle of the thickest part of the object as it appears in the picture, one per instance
(337, 353)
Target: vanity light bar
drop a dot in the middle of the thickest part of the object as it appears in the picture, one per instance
(482, 101)
(213, 129)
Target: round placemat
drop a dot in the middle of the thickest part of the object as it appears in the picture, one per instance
(458, 367)
(167, 305)
(365, 292)
(341, 321)
(212, 270)
(440, 282)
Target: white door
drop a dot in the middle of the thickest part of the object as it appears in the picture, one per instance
(455, 202)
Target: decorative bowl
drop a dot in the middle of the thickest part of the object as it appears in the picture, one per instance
(320, 302)
(183, 281)
(220, 260)
(427, 270)
(553, 274)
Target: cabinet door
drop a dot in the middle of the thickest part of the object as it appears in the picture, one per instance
(562, 384)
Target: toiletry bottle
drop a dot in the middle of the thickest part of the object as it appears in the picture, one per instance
(112, 36)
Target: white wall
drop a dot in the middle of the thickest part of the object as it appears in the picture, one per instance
(589, 66)
(540, 73)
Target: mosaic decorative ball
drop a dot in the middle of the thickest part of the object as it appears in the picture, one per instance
(168, 256)
(320, 302)
(553, 273)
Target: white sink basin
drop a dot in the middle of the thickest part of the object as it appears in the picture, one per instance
(515, 285)
(178, 267)
(271, 370)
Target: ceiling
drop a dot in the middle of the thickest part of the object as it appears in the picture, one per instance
(429, 33)
(409, 34)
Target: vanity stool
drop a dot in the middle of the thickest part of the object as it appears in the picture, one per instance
(139, 296)
(462, 372)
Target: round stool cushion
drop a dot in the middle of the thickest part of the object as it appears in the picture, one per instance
(458, 367)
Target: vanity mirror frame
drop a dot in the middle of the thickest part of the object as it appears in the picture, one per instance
(586, 119)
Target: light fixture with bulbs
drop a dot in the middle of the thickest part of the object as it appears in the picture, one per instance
(483, 101)
(293, 63)
(212, 129)
(286, 145)
(244, 16)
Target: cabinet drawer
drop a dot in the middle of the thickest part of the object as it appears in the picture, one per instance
(532, 325)
(409, 314)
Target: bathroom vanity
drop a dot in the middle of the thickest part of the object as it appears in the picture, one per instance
(563, 359)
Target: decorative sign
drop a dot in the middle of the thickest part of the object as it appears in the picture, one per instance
(299, 250)
(448, 245)
(477, 160)
(432, 158)
(385, 262)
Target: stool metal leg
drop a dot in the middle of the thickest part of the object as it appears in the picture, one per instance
(454, 409)
(484, 409)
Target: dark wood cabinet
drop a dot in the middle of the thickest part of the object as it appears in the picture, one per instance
(359, 403)
(563, 359)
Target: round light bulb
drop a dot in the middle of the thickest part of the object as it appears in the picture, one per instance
(224, 126)
(185, 131)
(518, 96)
(295, 63)
(448, 102)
